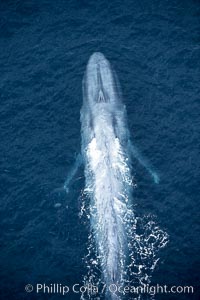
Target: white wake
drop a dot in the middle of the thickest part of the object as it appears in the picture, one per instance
(117, 252)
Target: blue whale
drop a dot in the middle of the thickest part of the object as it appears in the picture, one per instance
(107, 153)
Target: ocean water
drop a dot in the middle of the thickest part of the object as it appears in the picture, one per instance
(44, 49)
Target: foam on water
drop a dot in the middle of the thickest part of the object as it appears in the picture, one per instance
(123, 248)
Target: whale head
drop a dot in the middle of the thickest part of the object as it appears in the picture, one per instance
(100, 84)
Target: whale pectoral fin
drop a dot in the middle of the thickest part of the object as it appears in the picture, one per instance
(156, 177)
(72, 172)
(145, 163)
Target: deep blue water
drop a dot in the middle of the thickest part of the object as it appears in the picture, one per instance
(44, 48)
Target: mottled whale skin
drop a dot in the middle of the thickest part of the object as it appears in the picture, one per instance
(105, 143)
(106, 153)
(102, 103)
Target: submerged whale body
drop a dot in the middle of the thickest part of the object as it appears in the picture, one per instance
(107, 153)
(107, 164)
